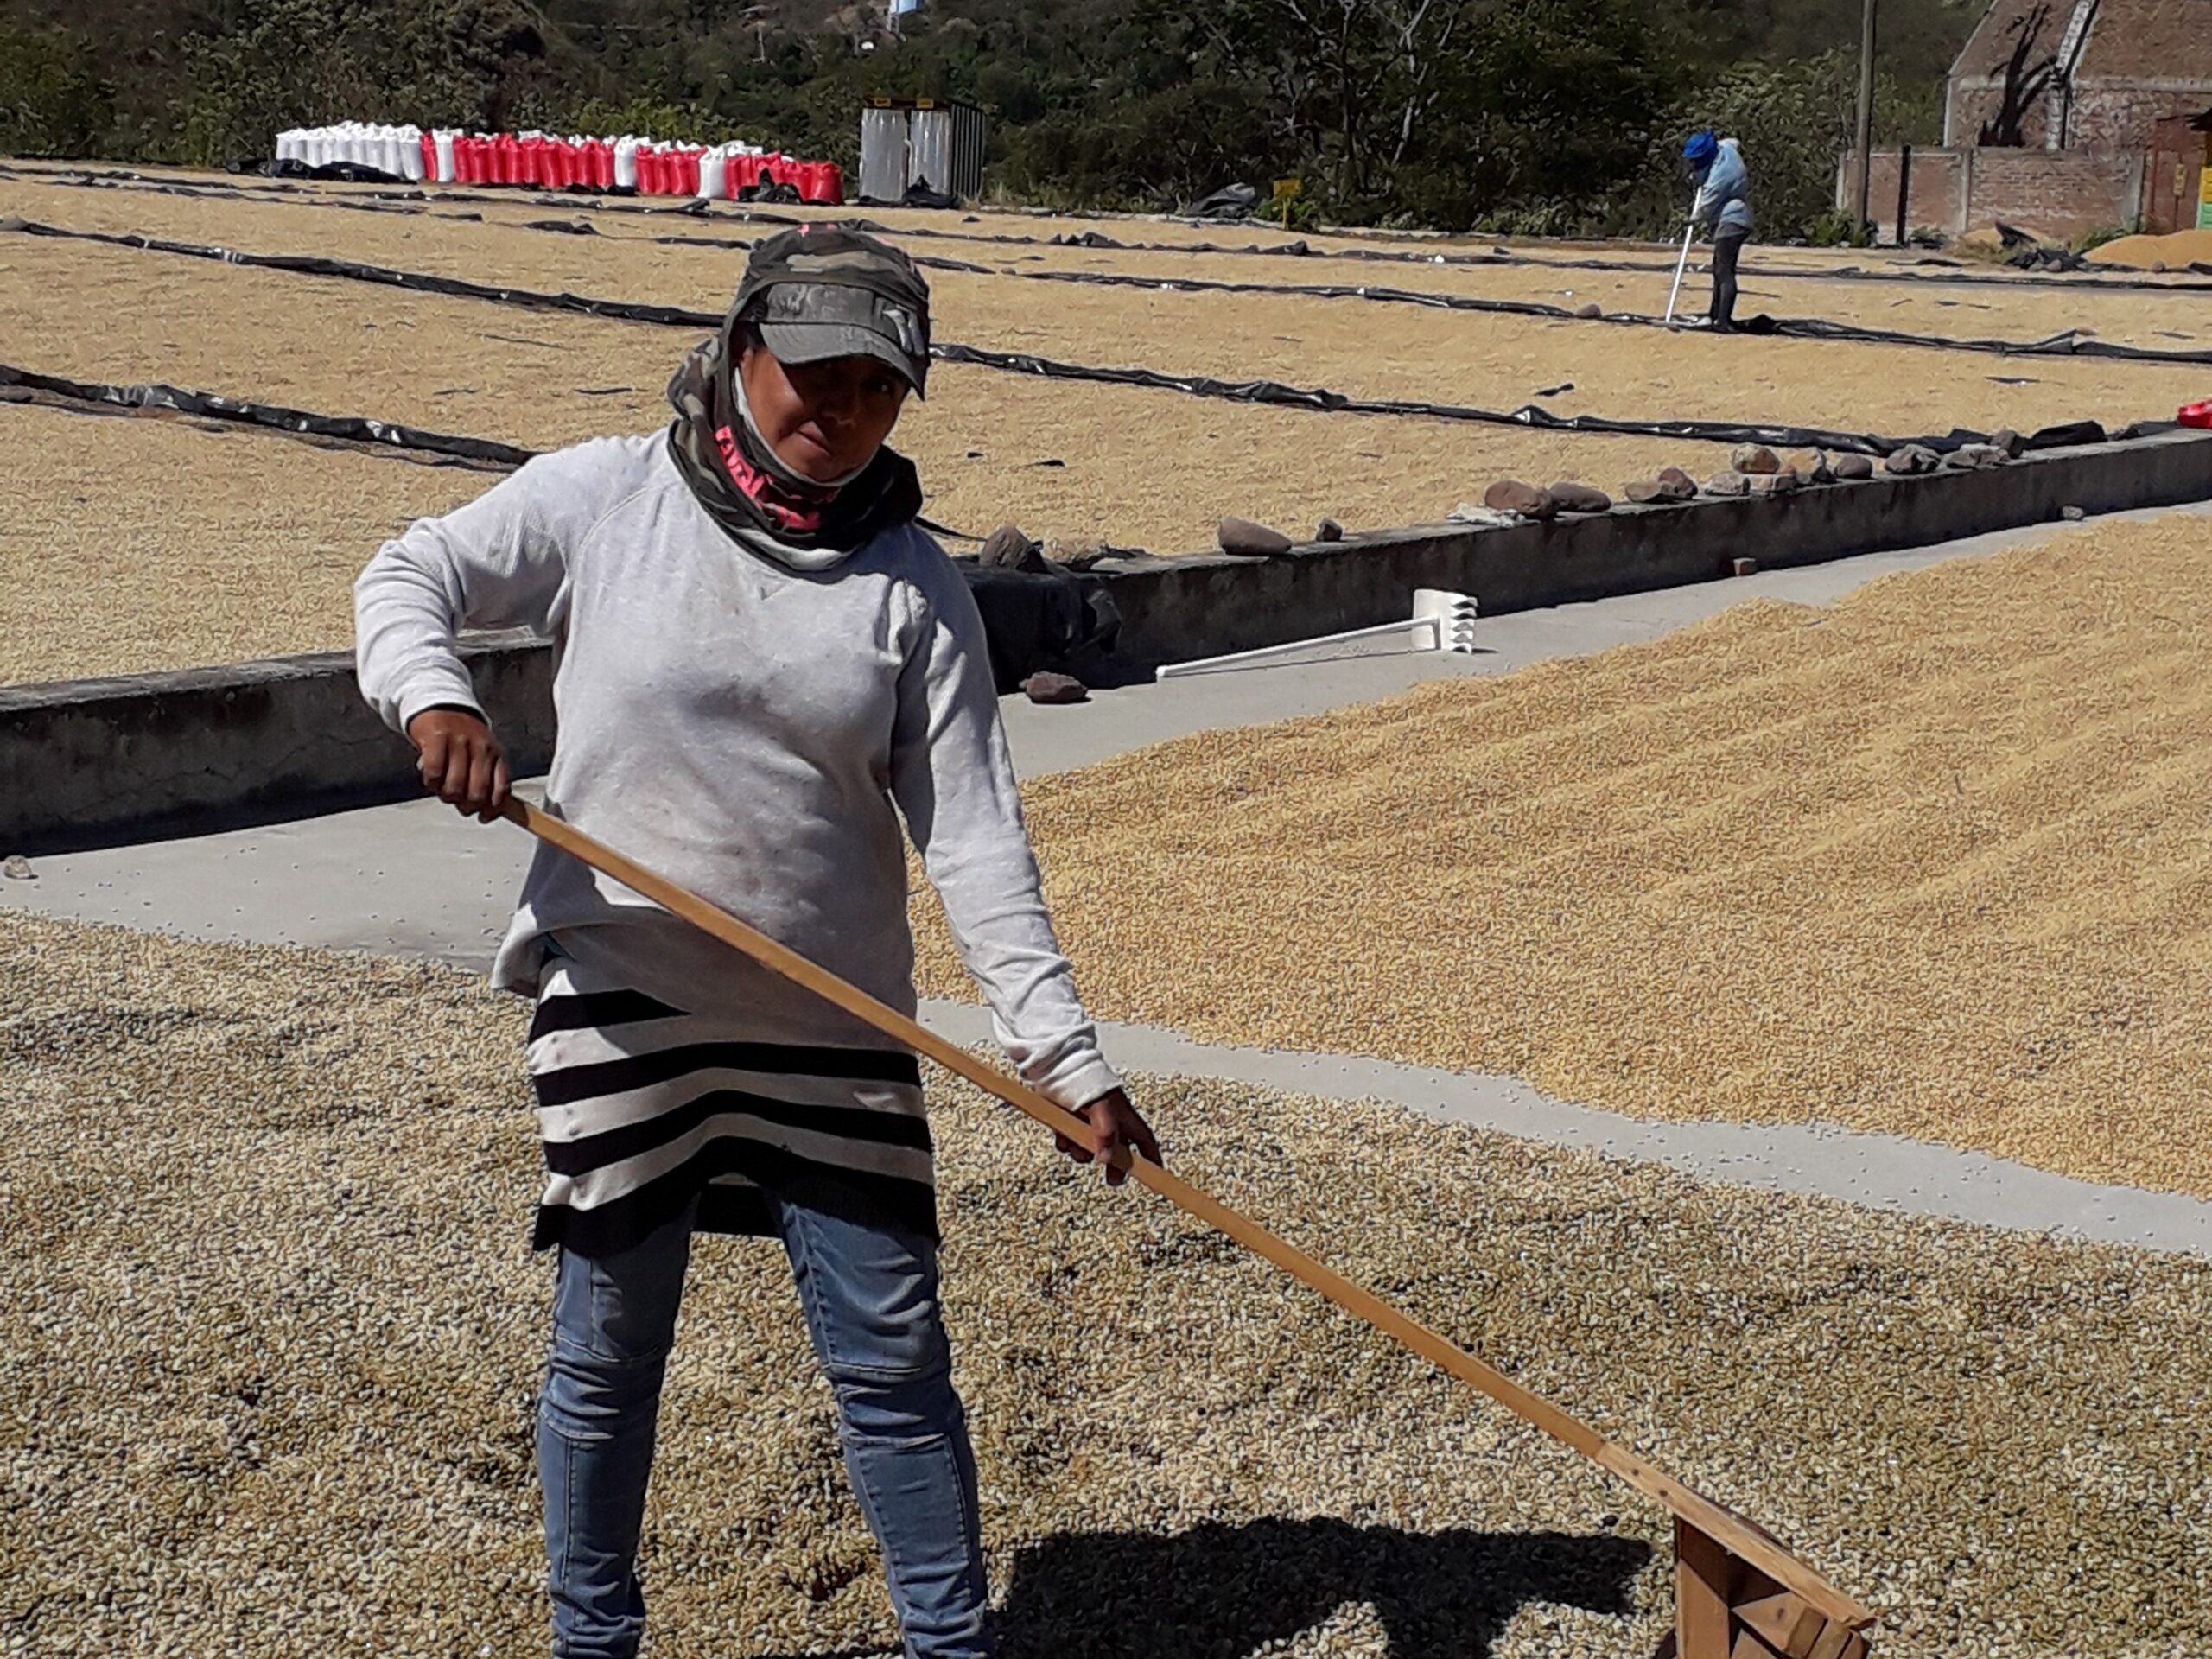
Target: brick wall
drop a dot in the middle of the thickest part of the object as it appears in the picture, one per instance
(2061, 194)
(1936, 201)
(1971, 103)
(2106, 114)
(2119, 116)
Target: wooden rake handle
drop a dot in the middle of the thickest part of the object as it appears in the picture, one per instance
(1740, 1537)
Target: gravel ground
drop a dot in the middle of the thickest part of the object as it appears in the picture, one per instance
(1371, 350)
(1928, 861)
(268, 1337)
(1080, 464)
(624, 259)
(133, 544)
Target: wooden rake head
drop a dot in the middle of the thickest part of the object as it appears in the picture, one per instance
(1726, 1608)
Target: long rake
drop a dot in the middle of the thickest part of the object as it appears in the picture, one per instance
(1738, 1594)
(1680, 265)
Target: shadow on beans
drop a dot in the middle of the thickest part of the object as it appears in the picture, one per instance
(1218, 1592)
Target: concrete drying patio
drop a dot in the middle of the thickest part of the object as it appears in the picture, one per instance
(416, 880)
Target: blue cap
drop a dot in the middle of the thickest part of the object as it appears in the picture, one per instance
(1701, 148)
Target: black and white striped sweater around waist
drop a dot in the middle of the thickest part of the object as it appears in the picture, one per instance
(642, 1106)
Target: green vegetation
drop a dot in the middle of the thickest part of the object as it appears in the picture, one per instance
(1537, 116)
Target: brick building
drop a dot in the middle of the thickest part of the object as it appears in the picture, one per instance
(2050, 114)
(2088, 74)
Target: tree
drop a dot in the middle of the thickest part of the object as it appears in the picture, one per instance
(51, 100)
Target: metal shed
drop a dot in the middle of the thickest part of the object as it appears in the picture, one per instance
(936, 142)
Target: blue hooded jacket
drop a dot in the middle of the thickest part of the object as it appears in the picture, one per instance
(1723, 196)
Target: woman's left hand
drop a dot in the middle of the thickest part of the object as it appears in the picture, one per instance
(1115, 1122)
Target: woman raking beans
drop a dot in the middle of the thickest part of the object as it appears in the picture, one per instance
(765, 665)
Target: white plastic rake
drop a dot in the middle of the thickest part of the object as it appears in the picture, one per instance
(1680, 265)
(1442, 621)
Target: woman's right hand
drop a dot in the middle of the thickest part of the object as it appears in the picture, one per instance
(460, 761)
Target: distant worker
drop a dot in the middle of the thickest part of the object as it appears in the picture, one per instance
(1723, 207)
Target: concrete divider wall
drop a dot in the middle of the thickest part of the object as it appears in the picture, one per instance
(1180, 609)
(98, 762)
(88, 763)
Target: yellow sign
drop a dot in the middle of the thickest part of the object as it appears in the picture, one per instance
(1285, 188)
(2204, 191)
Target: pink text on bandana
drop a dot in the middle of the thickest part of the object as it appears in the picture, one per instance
(797, 512)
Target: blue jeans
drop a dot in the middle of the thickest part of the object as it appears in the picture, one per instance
(870, 1297)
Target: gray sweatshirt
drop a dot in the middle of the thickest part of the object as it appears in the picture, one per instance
(744, 728)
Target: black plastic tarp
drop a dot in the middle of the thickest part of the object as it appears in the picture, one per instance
(208, 405)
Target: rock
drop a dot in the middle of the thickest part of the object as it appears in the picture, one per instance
(1852, 467)
(2073, 515)
(1676, 477)
(1572, 497)
(2010, 441)
(1755, 458)
(1648, 490)
(16, 868)
(1253, 541)
(1511, 495)
(1047, 687)
(1910, 458)
(1773, 483)
(1730, 483)
(1007, 548)
(1328, 530)
(1809, 467)
(1590, 310)
(1975, 457)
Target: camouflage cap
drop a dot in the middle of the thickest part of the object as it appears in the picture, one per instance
(826, 290)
